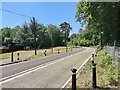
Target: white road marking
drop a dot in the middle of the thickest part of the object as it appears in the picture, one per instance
(33, 69)
(64, 85)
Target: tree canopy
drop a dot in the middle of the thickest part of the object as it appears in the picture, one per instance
(46, 36)
(100, 17)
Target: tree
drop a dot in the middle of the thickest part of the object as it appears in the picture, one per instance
(80, 31)
(23, 36)
(6, 35)
(55, 35)
(65, 27)
(102, 17)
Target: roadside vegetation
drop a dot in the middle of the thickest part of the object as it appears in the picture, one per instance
(50, 51)
(107, 75)
(8, 55)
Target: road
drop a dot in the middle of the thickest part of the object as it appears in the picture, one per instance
(47, 75)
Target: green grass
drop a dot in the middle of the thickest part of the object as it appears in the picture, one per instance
(107, 75)
(8, 55)
(40, 53)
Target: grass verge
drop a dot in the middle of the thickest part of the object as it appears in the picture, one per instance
(8, 55)
(107, 75)
(51, 51)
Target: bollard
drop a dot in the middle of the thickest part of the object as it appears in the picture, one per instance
(92, 58)
(96, 53)
(73, 78)
(52, 50)
(58, 51)
(18, 56)
(94, 75)
(66, 49)
(35, 51)
(12, 56)
(71, 48)
(45, 53)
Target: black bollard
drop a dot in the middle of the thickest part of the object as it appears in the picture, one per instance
(66, 49)
(73, 78)
(45, 53)
(18, 56)
(12, 56)
(94, 75)
(96, 53)
(58, 51)
(92, 58)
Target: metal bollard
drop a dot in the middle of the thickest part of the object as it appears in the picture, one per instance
(71, 48)
(92, 58)
(18, 56)
(94, 75)
(45, 53)
(96, 53)
(35, 51)
(73, 78)
(12, 56)
(58, 51)
(66, 49)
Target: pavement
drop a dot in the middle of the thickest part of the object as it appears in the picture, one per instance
(51, 72)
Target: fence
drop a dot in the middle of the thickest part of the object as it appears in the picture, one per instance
(6, 50)
(114, 52)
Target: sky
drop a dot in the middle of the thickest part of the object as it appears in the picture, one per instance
(44, 12)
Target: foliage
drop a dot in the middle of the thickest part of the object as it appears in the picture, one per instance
(106, 65)
(25, 35)
(101, 17)
(65, 27)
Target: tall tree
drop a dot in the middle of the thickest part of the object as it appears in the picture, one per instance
(6, 35)
(23, 36)
(65, 27)
(55, 34)
(102, 17)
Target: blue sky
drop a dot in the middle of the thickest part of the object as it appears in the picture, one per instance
(44, 12)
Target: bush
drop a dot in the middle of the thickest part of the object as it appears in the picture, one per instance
(111, 72)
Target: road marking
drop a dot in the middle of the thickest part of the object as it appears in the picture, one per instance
(64, 85)
(33, 69)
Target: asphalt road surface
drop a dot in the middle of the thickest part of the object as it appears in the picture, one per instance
(49, 75)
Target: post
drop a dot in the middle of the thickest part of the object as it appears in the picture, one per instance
(101, 39)
(18, 56)
(12, 56)
(34, 32)
(96, 51)
(35, 51)
(71, 48)
(113, 60)
(73, 78)
(66, 48)
(45, 53)
(114, 48)
(92, 58)
(94, 75)
(58, 51)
